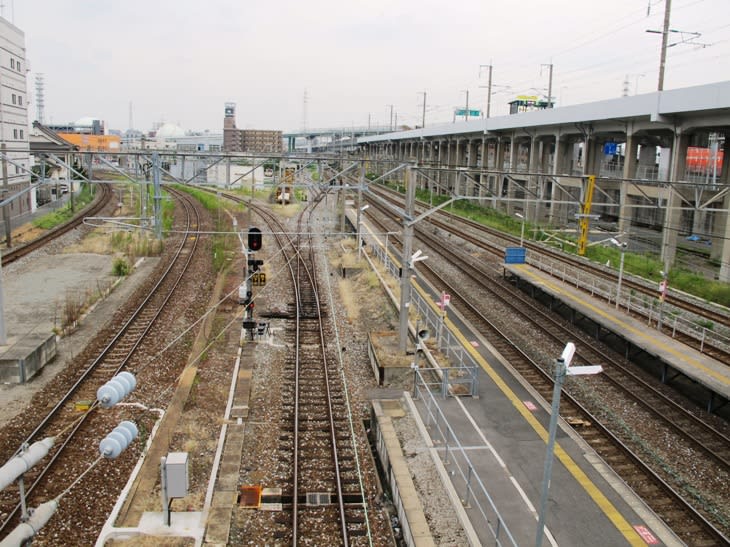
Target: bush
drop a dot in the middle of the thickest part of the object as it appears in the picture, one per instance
(120, 267)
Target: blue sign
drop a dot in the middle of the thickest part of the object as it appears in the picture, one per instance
(609, 148)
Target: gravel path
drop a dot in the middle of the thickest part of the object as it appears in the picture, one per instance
(35, 289)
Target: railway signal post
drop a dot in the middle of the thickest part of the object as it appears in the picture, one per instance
(251, 273)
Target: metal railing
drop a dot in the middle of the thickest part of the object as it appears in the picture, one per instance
(658, 314)
(464, 370)
(463, 476)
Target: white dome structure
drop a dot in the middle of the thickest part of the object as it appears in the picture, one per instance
(86, 121)
(170, 131)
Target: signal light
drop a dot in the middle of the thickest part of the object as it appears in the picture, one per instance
(254, 239)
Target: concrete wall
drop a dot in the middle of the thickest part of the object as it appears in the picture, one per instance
(25, 358)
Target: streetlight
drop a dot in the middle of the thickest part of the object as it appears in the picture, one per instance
(522, 231)
(621, 246)
(562, 368)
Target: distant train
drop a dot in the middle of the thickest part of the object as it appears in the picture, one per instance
(283, 194)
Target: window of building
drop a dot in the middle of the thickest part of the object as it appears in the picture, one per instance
(15, 133)
(12, 63)
(15, 99)
(21, 133)
(20, 99)
(18, 65)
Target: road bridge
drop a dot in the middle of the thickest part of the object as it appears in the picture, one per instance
(328, 138)
(537, 163)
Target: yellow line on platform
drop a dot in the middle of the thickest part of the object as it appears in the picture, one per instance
(618, 520)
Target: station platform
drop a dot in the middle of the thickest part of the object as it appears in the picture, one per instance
(672, 357)
(504, 430)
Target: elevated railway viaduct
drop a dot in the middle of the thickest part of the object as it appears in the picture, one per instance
(537, 163)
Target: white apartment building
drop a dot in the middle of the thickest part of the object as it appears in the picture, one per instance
(14, 116)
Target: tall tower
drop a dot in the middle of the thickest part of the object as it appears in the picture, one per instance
(39, 98)
(231, 135)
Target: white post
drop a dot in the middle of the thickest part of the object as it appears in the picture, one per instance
(522, 233)
(620, 274)
(522, 230)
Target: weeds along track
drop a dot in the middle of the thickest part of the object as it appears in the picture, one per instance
(529, 338)
(101, 200)
(124, 346)
(323, 497)
(493, 241)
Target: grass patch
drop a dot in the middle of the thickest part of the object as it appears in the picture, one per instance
(648, 267)
(223, 245)
(65, 213)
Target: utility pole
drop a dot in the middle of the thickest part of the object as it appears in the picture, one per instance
(550, 84)
(466, 110)
(489, 86)
(391, 116)
(423, 114)
(685, 38)
(665, 40)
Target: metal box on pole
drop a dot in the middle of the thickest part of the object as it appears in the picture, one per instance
(177, 474)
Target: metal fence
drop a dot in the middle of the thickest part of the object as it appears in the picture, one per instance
(659, 314)
(465, 479)
(463, 371)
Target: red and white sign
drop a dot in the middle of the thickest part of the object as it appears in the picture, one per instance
(445, 301)
(646, 535)
(663, 286)
(530, 406)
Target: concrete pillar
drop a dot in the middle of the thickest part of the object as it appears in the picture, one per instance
(560, 149)
(447, 160)
(629, 172)
(481, 165)
(534, 160)
(589, 156)
(513, 148)
(511, 187)
(673, 214)
(721, 231)
(460, 161)
(647, 161)
(499, 154)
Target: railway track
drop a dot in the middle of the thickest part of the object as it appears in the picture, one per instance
(687, 521)
(323, 499)
(493, 242)
(101, 200)
(124, 350)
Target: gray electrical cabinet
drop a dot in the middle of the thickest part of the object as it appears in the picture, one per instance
(177, 474)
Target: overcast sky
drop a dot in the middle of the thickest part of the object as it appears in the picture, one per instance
(180, 61)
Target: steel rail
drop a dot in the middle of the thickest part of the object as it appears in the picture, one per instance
(58, 450)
